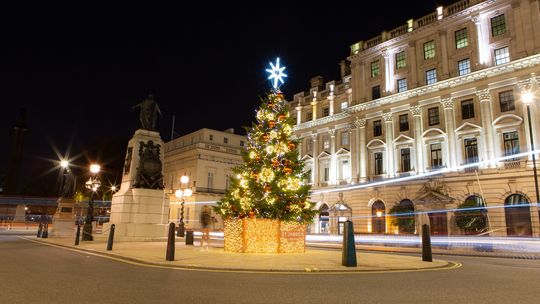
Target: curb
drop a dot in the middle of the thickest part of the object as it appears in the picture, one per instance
(449, 264)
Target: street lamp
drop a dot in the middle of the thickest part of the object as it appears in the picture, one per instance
(528, 97)
(181, 193)
(92, 185)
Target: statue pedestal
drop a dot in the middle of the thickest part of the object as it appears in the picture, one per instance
(63, 223)
(139, 214)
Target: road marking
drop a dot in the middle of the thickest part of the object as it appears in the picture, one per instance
(451, 265)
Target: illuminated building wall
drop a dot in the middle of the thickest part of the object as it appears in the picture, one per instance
(442, 92)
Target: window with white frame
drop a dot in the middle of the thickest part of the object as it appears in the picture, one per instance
(402, 85)
(326, 111)
(502, 55)
(375, 68)
(403, 122)
(429, 49)
(401, 60)
(378, 163)
(309, 145)
(467, 109)
(506, 101)
(326, 173)
(210, 180)
(461, 38)
(464, 67)
(345, 171)
(309, 116)
(405, 159)
(436, 155)
(431, 76)
(471, 150)
(511, 143)
(345, 138)
(344, 105)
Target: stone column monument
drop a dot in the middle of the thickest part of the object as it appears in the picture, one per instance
(140, 209)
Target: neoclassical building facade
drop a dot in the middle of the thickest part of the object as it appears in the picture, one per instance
(207, 157)
(428, 116)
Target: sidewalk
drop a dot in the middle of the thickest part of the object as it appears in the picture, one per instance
(215, 258)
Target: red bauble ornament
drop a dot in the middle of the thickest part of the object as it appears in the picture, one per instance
(282, 117)
(287, 170)
(292, 145)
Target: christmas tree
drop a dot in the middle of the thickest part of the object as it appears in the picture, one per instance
(270, 182)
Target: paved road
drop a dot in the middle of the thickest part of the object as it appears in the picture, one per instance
(37, 273)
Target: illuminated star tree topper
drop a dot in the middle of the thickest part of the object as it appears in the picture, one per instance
(276, 73)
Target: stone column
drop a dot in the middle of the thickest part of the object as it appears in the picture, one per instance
(315, 170)
(331, 98)
(349, 97)
(300, 146)
(298, 114)
(314, 105)
(333, 157)
(448, 105)
(388, 72)
(389, 125)
(355, 156)
(362, 150)
(413, 71)
(416, 112)
(487, 126)
(482, 40)
(444, 55)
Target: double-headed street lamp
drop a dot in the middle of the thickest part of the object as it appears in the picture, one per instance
(92, 185)
(181, 193)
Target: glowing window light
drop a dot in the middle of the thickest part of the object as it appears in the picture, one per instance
(276, 73)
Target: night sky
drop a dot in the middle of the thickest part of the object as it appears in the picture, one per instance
(77, 70)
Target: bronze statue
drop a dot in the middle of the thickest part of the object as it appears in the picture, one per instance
(67, 189)
(148, 113)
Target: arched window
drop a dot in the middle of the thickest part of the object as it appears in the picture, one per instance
(518, 216)
(471, 216)
(378, 217)
(403, 216)
(324, 217)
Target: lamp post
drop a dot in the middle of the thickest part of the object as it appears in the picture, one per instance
(92, 185)
(181, 193)
(528, 98)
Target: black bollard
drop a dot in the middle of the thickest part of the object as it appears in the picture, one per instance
(426, 244)
(111, 238)
(40, 230)
(45, 233)
(170, 243)
(348, 256)
(78, 235)
(189, 237)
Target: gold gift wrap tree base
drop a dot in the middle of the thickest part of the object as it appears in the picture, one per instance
(264, 236)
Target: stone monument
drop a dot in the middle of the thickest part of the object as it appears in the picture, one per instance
(140, 209)
(63, 222)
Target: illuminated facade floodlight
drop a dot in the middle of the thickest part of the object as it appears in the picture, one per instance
(95, 168)
(276, 73)
(527, 97)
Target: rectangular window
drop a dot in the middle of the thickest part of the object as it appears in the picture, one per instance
(471, 150)
(511, 143)
(345, 138)
(467, 109)
(403, 122)
(461, 38)
(326, 142)
(210, 181)
(345, 171)
(309, 147)
(326, 174)
(225, 140)
(429, 49)
(309, 116)
(436, 156)
(506, 101)
(502, 55)
(227, 181)
(498, 25)
(402, 85)
(401, 60)
(375, 68)
(376, 92)
(241, 143)
(377, 128)
(326, 112)
(378, 163)
(433, 116)
(344, 105)
(431, 76)
(211, 137)
(464, 67)
(405, 160)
